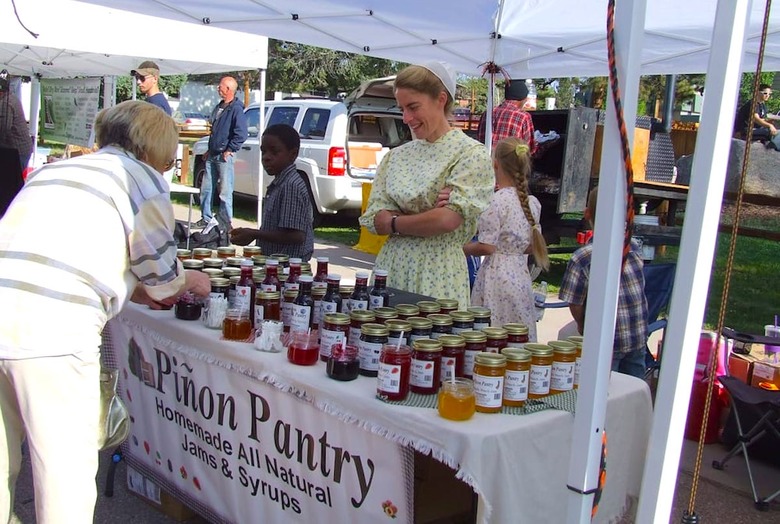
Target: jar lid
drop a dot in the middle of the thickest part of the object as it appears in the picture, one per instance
(281, 258)
(562, 346)
(202, 251)
(283, 277)
(251, 251)
(213, 272)
(319, 292)
(290, 293)
(259, 260)
(516, 354)
(362, 315)
(385, 312)
(305, 279)
(428, 306)
(295, 261)
(231, 271)
(407, 310)
(235, 261)
(268, 295)
(491, 360)
(495, 332)
(220, 282)
(226, 250)
(420, 322)
(452, 341)
(234, 279)
(258, 271)
(338, 319)
(192, 263)
(473, 336)
(576, 340)
(516, 329)
(398, 326)
(305, 267)
(374, 330)
(271, 262)
(440, 320)
(427, 345)
(346, 290)
(447, 303)
(539, 350)
(479, 311)
(462, 316)
(321, 260)
(183, 253)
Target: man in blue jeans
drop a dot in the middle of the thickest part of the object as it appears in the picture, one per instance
(228, 132)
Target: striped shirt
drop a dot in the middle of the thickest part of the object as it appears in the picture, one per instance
(286, 205)
(73, 245)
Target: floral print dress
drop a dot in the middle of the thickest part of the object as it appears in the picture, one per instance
(408, 180)
(503, 283)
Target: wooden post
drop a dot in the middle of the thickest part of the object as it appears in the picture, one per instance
(185, 164)
(246, 90)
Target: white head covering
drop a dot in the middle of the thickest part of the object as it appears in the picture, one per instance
(443, 72)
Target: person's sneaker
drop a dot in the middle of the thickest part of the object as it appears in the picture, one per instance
(201, 223)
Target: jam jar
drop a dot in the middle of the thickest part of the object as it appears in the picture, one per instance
(213, 272)
(259, 260)
(251, 251)
(267, 306)
(200, 253)
(219, 288)
(183, 254)
(234, 261)
(518, 367)
(453, 354)
(456, 399)
(517, 335)
(284, 259)
(303, 349)
(407, 311)
(541, 368)
(496, 339)
(428, 307)
(228, 272)
(215, 263)
(577, 341)
(383, 314)
(462, 321)
(489, 369)
(564, 361)
(188, 307)
(421, 328)
(442, 325)
(426, 366)
(343, 363)
(372, 338)
(398, 331)
(193, 264)
(356, 320)
(395, 366)
(447, 305)
(226, 251)
(481, 317)
(335, 327)
(476, 342)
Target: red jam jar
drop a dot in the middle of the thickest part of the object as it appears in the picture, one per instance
(517, 335)
(343, 363)
(447, 305)
(335, 327)
(496, 339)
(407, 311)
(428, 307)
(303, 349)
(476, 342)
(426, 366)
(453, 354)
(395, 366)
(481, 317)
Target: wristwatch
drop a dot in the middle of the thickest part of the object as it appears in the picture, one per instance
(392, 225)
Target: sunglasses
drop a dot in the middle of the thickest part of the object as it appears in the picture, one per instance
(141, 78)
(766, 93)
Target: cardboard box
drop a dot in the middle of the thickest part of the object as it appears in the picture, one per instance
(152, 494)
(764, 371)
(741, 366)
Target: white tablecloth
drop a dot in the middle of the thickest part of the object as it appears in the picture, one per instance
(517, 464)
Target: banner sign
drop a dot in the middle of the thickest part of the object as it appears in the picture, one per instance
(248, 451)
(69, 110)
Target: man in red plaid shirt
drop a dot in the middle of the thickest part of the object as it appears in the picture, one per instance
(509, 119)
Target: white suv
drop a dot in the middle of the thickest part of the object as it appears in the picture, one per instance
(341, 144)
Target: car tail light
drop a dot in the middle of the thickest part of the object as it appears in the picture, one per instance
(336, 161)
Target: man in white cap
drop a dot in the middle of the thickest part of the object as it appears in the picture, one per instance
(147, 76)
(509, 119)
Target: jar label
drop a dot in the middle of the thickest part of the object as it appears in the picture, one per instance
(259, 315)
(354, 336)
(516, 385)
(457, 330)
(488, 391)
(412, 338)
(319, 284)
(468, 363)
(520, 345)
(328, 339)
(369, 355)
(539, 383)
(447, 368)
(217, 294)
(328, 307)
(354, 305)
(479, 326)
(376, 301)
(286, 313)
(268, 287)
(300, 318)
(388, 379)
(396, 341)
(435, 334)
(577, 365)
(562, 378)
(317, 312)
(422, 373)
(243, 297)
(291, 285)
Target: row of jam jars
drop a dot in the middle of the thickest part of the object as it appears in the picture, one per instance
(563, 364)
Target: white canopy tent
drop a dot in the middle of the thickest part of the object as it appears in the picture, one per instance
(564, 38)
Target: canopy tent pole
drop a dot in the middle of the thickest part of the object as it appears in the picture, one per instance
(697, 246)
(35, 113)
(583, 477)
(260, 130)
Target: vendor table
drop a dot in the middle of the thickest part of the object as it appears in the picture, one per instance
(517, 465)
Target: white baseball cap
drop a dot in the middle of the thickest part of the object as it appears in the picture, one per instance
(443, 72)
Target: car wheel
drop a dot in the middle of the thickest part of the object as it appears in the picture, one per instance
(199, 173)
(316, 215)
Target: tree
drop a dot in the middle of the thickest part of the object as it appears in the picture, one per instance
(169, 84)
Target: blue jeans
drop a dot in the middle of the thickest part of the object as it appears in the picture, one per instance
(632, 363)
(219, 173)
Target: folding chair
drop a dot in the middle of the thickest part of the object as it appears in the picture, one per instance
(764, 406)
(659, 280)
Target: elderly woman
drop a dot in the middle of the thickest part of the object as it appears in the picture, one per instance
(424, 251)
(80, 239)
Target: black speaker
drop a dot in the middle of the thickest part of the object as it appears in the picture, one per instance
(10, 177)
(5, 81)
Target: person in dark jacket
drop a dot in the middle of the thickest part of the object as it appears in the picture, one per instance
(228, 132)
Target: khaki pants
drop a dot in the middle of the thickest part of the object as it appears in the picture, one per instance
(54, 403)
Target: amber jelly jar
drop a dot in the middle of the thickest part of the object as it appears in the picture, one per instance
(517, 335)
(476, 342)
(456, 399)
(541, 368)
(489, 370)
(564, 362)
(421, 328)
(577, 341)
(407, 311)
(426, 366)
(453, 354)
(447, 305)
(251, 251)
(461, 321)
(200, 253)
(372, 338)
(441, 325)
(518, 369)
(183, 254)
(496, 339)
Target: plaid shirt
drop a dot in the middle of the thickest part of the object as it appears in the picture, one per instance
(286, 206)
(509, 120)
(14, 133)
(631, 322)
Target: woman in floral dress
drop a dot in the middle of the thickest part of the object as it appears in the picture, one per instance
(508, 231)
(423, 253)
